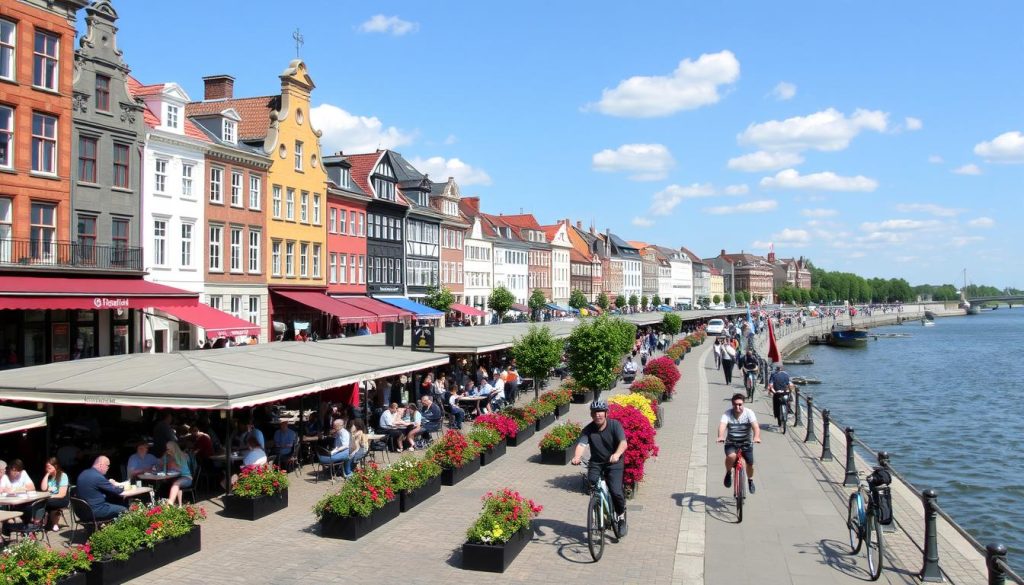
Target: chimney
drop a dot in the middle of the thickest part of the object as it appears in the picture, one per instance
(771, 257)
(218, 87)
(579, 224)
(723, 252)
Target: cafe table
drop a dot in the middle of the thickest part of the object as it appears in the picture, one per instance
(137, 491)
(23, 499)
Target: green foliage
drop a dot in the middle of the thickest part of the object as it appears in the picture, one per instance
(409, 473)
(260, 480)
(671, 323)
(633, 301)
(142, 527)
(643, 302)
(594, 349)
(716, 299)
(453, 450)
(656, 301)
(620, 301)
(30, 563)
(602, 301)
(536, 302)
(577, 299)
(561, 436)
(726, 298)
(484, 436)
(536, 353)
(440, 299)
(368, 490)
(500, 301)
(504, 514)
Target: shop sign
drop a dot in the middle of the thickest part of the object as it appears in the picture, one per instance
(110, 303)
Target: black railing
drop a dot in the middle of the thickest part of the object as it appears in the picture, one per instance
(38, 253)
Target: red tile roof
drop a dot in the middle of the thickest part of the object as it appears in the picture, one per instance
(524, 220)
(580, 249)
(254, 111)
(363, 166)
(637, 245)
(550, 231)
(151, 118)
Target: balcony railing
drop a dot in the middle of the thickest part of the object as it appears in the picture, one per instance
(39, 253)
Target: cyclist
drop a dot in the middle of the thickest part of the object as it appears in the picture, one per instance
(735, 431)
(749, 364)
(607, 441)
(779, 383)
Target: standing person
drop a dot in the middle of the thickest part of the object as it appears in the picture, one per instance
(607, 441)
(96, 489)
(735, 430)
(56, 482)
(728, 359)
(163, 433)
(717, 349)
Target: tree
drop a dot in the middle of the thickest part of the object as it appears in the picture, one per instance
(577, 299)
(602, 301)
(536, 353)
(656, 301)
(727, 298)
(671, 323)
(440, 299)
(620, 301)
(717, 299)
(633, 301)
(594, 349)
(643, 302)
(536, 302)
(500, 301)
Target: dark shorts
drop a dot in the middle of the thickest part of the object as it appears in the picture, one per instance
(748, 452)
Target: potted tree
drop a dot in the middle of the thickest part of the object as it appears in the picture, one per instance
(29, 562)
(415, 480)
(259, 491)
(489, 441)
(456, 455)
(500, 532)
(366, 502)
(536, 353)
(526, 423)
(558, 444)
(595, 348)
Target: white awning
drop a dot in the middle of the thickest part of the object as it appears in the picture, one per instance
(13, 420)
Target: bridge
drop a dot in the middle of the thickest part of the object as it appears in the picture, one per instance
(1009, 299)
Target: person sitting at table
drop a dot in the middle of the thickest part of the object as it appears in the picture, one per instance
(413, 421)
(16, 480)
(95, 489)
(141, 461)
(177, 460)
(458, 414)
(358, 446)
(252, 430)
(56, 482)
(339, 446)
(255, 455)
(202, 443)
(284, 441)
(391, 425)
(432, 415)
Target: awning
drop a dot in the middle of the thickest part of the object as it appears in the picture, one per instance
(468, 311)
(326, 304)
(214, 322)
(13, 420)
(420, 310)
(520, 307)
(555, 307)
(375, 308)
(595, 309)
(45, 292)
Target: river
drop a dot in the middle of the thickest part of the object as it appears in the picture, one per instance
(948, 405)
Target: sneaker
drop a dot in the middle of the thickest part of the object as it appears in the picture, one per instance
(56, 528)
(623, 526)
(728, 479)
(750, 485)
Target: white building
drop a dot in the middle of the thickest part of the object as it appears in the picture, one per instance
(680, 277)
(478, 266)
(561, 247)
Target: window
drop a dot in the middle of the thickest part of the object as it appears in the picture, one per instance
(316, 260)
(342, 268)
(298, 155)
(304, 207)
(44, 144)
(160, 242)
(352, 223)
(332, 221)
(236, 249)
(44, 66)
(214, 301)
(236, 305)
(8, 46)
(87, 159)
(255, 187)
(228, 131)
(236, 189)
(376, 269)
(216, 185)
(276, 201)
(384, 184)
(289, 259)
(186, 245)
(215, 244)
(316, 209)
(303, 259)
(362, 224)
(173, 114)
(362, 269)
(119, 235)
(160, 174)
(86, 239)
(275, 258)
(254, 309)
(102, 93)
(254, 251)
(6, 206)
(121, 169)
(346, 177)
(289, 205)
(332, 268)
(44, 230)
(343, 225)
(186, 180)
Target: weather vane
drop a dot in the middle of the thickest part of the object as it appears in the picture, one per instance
(298, 41)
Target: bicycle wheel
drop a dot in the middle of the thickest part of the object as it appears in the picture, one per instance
(783, 417)
(873, 538)
(853, 516)
(740, 491)
(595, 527)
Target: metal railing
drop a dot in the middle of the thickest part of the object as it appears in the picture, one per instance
(41, 253)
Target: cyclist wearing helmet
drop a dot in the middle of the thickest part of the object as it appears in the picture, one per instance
(607, 441)
(778, 384)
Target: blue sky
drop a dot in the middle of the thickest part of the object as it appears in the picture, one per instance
(881, 138)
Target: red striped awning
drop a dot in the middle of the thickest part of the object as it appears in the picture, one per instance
(467, 310)
(58, 292)
(214, 322)
(326, 304)
(377, 309)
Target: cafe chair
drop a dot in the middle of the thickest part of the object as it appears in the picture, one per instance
(83, 515)
(32, 527)
(328, 467)
(197, 474)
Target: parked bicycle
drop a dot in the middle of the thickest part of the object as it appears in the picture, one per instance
(600, 513)
(870, 507)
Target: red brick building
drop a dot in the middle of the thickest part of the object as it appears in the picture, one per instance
(346, 229)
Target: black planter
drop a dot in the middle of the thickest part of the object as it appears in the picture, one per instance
(561, 410)
(544, 421)
(356, 527)
(453, 475)
(522, 436)
(494, 558)
(688, 349)
(666, 397)
(144, 560)
(409, 500)
(489, 455)
(254, 508)
(678, 360)
(583, 398)
(74, 579)
(557, 457)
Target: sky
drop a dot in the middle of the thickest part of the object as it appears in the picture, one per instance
(880, 138)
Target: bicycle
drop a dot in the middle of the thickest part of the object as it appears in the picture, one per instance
(864, 524)
(600, 514)
(785, 410)
(739, 479)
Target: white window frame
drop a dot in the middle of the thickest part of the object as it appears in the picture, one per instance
(289, 204)
(343, 224)
(304, 259)
(342, 268)
(298, 155)
(276, 201)
(160, 241)
(42, 142)
(51, 76)
(362, 224)
(160, 175)
(187, 234)
(187, 174)
(173, 116)
(362, 269)
(255, 250)
(228, 131)
(216, 185)
(314, 259)
(236, 188)
(9, 49)
(235, 308)
(235, 251)
(254, 309)
(332, 220)
(332, 268)
(8, 132)
(255, 189)
(304, 206)
(352, 274)
(289, 259)
(316, 209)
(216, 233)
(275, 258)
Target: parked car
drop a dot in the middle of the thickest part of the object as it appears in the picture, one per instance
(715, 327)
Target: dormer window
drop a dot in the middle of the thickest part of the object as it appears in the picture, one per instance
(451, 208)
(173, 116)
(346, 178)
(228, 130)
(383, 182)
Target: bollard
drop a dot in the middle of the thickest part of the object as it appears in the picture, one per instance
(851, 462)
(810, 420)
(796, 411)
(995, 559)
(826, 442)
(930, 572)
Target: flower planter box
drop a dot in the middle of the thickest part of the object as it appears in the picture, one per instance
(489, 455)
(144, 560)
(522, 436)
(583, 397)
(688, 349)
(453, 475)
(545, 420)
(666, 397)
(559, 457)
(409, 500)
(356, 527)
(254, 508)
(561, 410)
(494, 558)
(75, 579)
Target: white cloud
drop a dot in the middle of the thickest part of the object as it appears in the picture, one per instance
(791, 236)
(667, 199)
(647, 162)
(899, 225)
(642, 222)
(784, 91)
(913, 124)
(741, 189)
(828, 130)
(440, 169)
(971, 169)
(936, 159)
(818, 212)
(764, 161)
(936, 210)
(1008, 147)
(826, 181)
(351, 133)
(693, 84)
(961, 241)
(451, 139)
(388, 25)
(982, 222)
(751, 207)
(905, 259)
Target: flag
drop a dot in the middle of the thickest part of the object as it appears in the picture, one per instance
(773, 348)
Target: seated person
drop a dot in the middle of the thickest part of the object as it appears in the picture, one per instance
(629, 368)
(285, 440)
(358, 446)
(176, 460)
(413, 420)
(251, 429)
(339, 446)
(97, 490)
(141, 461)
(202, 443)
(16, 480)
(431, 413)
(255, 455)
(391, 424)
(458, 414)
(56, 482)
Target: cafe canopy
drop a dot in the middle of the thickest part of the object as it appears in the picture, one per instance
(13, 420)
(474, 340)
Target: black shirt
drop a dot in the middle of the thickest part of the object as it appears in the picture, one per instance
(603, 443)
(749, 362)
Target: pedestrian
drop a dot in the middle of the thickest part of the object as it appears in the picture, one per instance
(718, 354)
(728, 359)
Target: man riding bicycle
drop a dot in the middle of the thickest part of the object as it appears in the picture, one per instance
(749, 364)
(779, 384)
(607, 441)
(735, 429)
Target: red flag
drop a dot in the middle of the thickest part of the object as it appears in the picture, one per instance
(773, 348)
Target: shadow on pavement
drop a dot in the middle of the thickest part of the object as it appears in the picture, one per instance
(715, 507)
(570, 483)
(836, 555)
(569, 538)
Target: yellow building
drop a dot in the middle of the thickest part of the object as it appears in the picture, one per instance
(717, 285)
